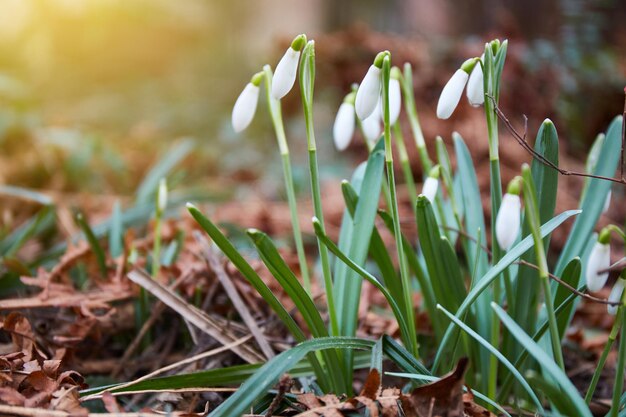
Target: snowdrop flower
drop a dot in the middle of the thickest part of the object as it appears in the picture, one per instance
(372, 125)
(287, 68)
(475, 88)
(162, 196)
(369, 90)
(451, 93)
(429, 190)
(616, 295)
(599, 260)
(395, 97)
(508, 218)
(343, 129)
(245, 106)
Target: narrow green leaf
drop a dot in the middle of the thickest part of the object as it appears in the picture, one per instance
(93, 243)
(35, 225)
(571, 275)
(567, 388)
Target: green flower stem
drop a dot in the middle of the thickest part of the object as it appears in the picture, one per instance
(404, 271)
(605, 353)
(307, 82)
(156, 249)
(411, 112)
(406, 166)
(277, 121)
(621, 363)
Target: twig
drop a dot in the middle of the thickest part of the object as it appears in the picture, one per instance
(521, 140)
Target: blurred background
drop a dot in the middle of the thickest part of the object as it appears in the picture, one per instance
(94, 93)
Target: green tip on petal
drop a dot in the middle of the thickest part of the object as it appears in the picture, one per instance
(434, 172)
(257, 78)
(378, 61)
(395, 73)
(298, 42)
(469, 65)
(605, 236)
(515, 186)
(350, 97)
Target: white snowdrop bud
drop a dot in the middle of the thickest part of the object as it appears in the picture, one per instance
(287, 68)
(162, 196)
(369, 91)
(475, 88)
(245, 106)
(431, 185)
(451, 93)
(372, 125)
(429, 190)
(395, 96)
(599, 260)
(508, 219)
(616, 296)
(343, 129)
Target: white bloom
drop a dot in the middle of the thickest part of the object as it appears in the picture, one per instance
(607, 202)
(508, 220)
(616, 296)
(451, 94)
(368, 93)
(429, 190)
(285, 74)
(475, 88)
(600, 259)
(372, 125)
(343, 129)
(245, 106)
(162, 195)
(395, 100)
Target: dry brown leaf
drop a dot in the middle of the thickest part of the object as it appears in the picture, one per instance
(443, 398)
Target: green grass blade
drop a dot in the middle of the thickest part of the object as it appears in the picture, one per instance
(35, 225)
(514, 253)
(494, 351)
(116, 233)
(347, 284)
(398, 313)
(262, 380)
(443, 267)
(402, 357)
(546, 182)
(567, 388)
(303, 302)
(571, 275)
(148, 187)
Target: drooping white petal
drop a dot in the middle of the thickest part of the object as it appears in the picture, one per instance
(616, 296)
(599, 259)
(395, 100)
(451, 94)
(429, 190)
(245, 106)
(372, 125)
(368, 93)
(285, 74)
(607, 202)
(508, 220)
(475, 88)
(343, 129)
